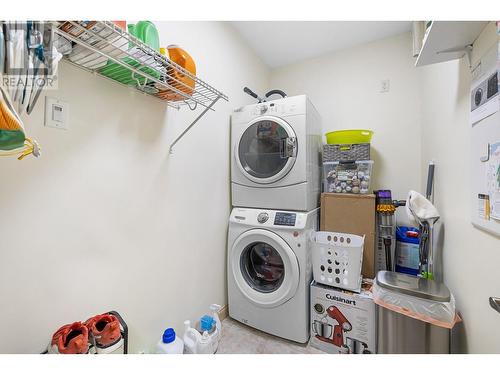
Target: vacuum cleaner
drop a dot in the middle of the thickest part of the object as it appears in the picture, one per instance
(386, 227)
(419, 209)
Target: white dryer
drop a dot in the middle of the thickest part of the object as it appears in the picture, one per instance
(269, 270)
(276, 152)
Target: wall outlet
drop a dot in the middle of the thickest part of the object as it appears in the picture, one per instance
(56, 113)
(385, 85)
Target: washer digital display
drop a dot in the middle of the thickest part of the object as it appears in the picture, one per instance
(285, 218)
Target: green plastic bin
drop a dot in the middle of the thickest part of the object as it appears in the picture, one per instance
(146, 32)
(343, 137)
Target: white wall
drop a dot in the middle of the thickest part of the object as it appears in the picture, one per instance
(470, 256)
(106, 218)
(423, 117)
(345, 88)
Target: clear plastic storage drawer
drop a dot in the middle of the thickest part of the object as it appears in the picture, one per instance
(347, 176)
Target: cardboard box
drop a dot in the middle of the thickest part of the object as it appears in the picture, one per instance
(343, 322)
(352, 213)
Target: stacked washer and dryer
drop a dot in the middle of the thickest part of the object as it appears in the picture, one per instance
(275, 184)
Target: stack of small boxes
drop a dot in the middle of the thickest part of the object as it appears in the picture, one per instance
(344, 321)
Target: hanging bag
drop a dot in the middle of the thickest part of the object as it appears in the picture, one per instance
(12, 136)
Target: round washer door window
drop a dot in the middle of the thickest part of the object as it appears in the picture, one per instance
(265, 268)
(267, 149)
(262, 267)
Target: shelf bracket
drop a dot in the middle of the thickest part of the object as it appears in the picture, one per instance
(192, 123)
(466, 49)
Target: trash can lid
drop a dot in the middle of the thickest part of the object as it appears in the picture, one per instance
(413, 286)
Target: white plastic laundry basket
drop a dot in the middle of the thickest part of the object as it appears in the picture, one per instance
(337, 259)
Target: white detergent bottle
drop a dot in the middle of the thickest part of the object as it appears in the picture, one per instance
(196, 343)
(190, 338)
(169, 343)
(205, 344)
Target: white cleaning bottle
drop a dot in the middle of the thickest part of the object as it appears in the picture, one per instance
(218, 326)
(205, 344)
(169, 343)
(190, 338)
(196, 343)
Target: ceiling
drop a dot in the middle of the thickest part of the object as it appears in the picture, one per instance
(280, 43)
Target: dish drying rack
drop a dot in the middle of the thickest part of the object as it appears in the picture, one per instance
(116, 45)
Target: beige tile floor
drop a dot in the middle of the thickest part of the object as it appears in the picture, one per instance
(238, 338)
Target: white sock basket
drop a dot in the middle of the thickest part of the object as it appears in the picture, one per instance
(337, 259)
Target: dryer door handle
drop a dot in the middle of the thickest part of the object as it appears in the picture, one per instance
(288, 147)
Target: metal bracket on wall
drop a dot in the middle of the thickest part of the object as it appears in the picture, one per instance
(466, 49)
(193, 123)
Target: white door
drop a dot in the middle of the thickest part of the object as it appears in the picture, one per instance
(264, 267)
(267, 150)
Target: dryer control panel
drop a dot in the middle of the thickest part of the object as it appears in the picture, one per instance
(289, 106)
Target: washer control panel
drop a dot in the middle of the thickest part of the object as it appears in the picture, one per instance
(285, 218)
(260, 218)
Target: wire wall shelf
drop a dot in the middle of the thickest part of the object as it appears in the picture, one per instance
(105, 49)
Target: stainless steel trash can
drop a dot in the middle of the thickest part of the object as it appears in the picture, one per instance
(401, 334)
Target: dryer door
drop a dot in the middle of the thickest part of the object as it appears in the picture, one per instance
(267, 150)
(264, 267)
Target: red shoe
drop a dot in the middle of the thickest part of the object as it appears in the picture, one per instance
(70, 339)
(105, 329)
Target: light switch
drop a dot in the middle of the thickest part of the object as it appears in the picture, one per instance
(385, 85)
(56, 113)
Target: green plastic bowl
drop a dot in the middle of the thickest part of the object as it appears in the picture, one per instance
(342, 137)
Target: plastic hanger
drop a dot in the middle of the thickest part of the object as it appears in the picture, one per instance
(39, 67)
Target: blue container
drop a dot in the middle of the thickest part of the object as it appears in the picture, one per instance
(407, 251)
(207, 323)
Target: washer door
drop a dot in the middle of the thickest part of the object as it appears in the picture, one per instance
(267, 150)
(264, 267)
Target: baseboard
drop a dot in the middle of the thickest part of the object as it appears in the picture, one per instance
(223, 312)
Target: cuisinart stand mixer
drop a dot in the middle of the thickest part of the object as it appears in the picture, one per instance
(335, 336)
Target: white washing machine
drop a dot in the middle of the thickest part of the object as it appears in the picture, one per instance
(269, 270)
(276, 154)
